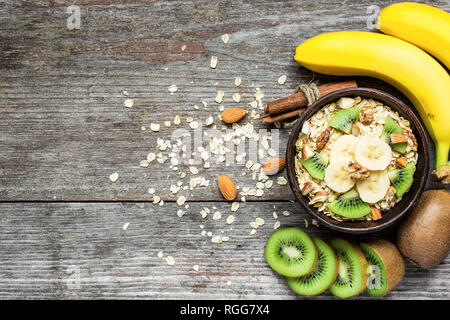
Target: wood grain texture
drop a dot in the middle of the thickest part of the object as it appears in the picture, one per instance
(64, 130)
(44, 248)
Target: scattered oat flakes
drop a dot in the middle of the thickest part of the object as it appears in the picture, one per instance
(114, 176)
(177, 120)
(151, 190)
(253, 231)
(219, 97)
(193, 124)
(225, 38)
(217, 215)
(276, 225)
(286, 213)
(156, 199)
(170, 260)
(216, 239)
(225, 239)
(281, 181)
(259, 95)
(196, 267)
(282, 79)
(173, 88)
(125, 93)
(160, 254)
(181, 200)
(275, 215)
(237, 81)
(236, 97)
(315, 223)
(234, 206)
(144, 163)
(128, 103)
(154, 127)
(213, 63)
(183, 47)
(306, 223)
(230, 219)
(125, 226)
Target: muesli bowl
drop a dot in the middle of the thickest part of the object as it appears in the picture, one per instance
(395, 211)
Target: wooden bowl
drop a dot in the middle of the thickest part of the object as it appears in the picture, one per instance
(391, 216)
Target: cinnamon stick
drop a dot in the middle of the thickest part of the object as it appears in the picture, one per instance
(266, 118)
(298, 100)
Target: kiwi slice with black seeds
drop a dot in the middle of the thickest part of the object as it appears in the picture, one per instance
(315, 165)
(402, 179)
(291, 252)
(386, 266)
(352, 269)
(390, 127)
(344, 119)
(323, 275)
(349, 205)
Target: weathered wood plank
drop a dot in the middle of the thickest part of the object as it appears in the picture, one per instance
(64, 128)
(44, 247)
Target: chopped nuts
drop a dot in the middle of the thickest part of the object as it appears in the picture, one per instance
(323, 138)
(398, 138)
(307, 188)
(366, 117)
(401, 162)
(376, 214)
(411, 136)
(359, 172)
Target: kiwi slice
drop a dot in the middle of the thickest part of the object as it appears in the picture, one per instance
(402, 179)
(352, 269)
(344, 119)
(315, 165)
(349, 205)
(322, 276)
(386, 266)
(291, 252)
(390, 127)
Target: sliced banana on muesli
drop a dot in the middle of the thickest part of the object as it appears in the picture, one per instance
(374, 188)
(373, 153)
(337, 175)
(344, 146)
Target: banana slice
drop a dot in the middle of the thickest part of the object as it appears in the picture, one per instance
(344, 146)
(337, 175)
(373, 153)
(374, 188)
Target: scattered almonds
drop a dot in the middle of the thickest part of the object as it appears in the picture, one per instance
(233, 115)
(273, 166)
(227, 187)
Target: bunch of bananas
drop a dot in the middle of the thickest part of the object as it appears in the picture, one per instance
(399, 58)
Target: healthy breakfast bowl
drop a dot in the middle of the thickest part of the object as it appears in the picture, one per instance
(357, 160)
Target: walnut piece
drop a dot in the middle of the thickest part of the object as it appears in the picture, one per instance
(401, 162)
(366, 117)
(323, 138)
(360, 173)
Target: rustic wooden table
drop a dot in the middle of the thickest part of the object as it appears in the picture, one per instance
(64, 129)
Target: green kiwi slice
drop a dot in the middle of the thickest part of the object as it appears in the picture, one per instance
(386, 266)
(352, 269)
(349, 205)
(402, 179)
(322, 276)
(315, 165)
(291, 252)
(344, 119)
(390, 127)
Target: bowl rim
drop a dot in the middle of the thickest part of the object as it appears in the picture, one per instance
(319, 104)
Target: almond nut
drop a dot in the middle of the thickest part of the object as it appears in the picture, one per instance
(398, 138)
(273, 166)
(401, 162)
(227, 187)
(307, 188)
(376, 214)
(233, 115)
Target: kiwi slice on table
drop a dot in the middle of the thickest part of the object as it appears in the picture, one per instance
(344, 119)
(349, 205)
(315, 165)
(322, 276)
(291, 252)
(352, 269)
(386, 266)
(390, 127)
(402, 179)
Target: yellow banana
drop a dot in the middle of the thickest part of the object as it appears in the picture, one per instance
(422, 25)
(421, 78)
